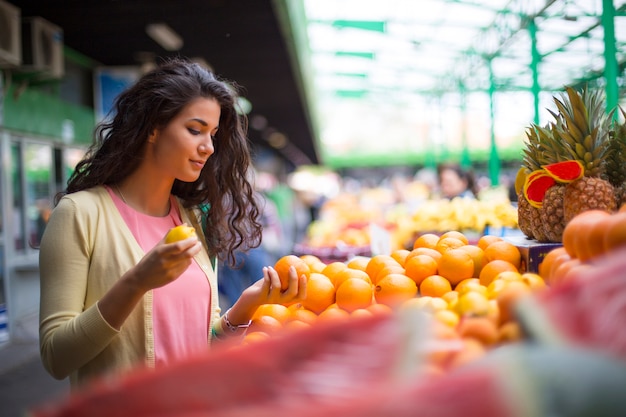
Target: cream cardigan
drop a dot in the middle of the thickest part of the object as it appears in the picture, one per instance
(85, 248)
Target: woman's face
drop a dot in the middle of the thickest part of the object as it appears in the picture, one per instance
(451, 184)
(181, 148)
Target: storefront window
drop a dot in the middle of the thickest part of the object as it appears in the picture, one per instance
(18, 206)
(38, 164)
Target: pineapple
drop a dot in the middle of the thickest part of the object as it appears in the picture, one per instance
(617, 161)
(529, 217)
(582, 127)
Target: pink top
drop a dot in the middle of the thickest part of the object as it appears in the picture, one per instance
(181, 309)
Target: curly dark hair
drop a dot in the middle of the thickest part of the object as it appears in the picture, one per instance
(232, 222)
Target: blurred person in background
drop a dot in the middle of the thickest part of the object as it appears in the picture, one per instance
(454, 181)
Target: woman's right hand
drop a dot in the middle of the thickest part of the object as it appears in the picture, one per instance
(165, 263)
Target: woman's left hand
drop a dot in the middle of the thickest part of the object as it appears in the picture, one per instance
(268, 291)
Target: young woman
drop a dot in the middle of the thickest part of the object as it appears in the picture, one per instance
(454, 181)
(114, 295)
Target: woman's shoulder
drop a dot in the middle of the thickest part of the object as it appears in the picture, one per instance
(88, 199)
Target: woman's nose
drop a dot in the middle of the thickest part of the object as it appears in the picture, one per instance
(206, 146)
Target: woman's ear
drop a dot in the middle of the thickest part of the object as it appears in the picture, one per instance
(152, 137)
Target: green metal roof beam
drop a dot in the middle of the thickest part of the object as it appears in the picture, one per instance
(365, 55)
(371, 25)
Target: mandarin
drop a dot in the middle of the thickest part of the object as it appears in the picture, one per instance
(400, 255)
(455, 265)
(455, 234)
(470, 284)
(446, 243)
(381, 309)
(333, 314)
(358, 262)
(594, 246)
(266, 324)
(277, 311)
(252, 337)
(347, 273)
(394, 289)
(447, 317)
(434, 286)
(424, 303)
(472, 303)
(426, 240)
(478, 256)
(615, 235)
(493, 268)
(479, 328)
(332, 268)
(508, 298)
(545, 266)
(505, 251)
(487, 240)
(302, 314)
(361, 312)
(419, 267)
(575, 233)
(389, 269)
(354, 293)
(320, 293)
(436, 255)
(378, 262)
(283, 265)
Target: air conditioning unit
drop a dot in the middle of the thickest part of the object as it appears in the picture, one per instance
(42, 48)
(10, 36)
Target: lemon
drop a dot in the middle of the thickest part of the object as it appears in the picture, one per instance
(181, 232)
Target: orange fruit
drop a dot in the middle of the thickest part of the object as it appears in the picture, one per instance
(594, 246)
(252, 337)
(450, 297)
(557, 263)
(545, 266)
(423, 303)
(394, 289)
(347, 273)
(478, 256)
(400, 255)
(470, 284)
(505, 251)
(295, 325)
(320, 293)
(332, 268)
(495, 288)
(390, 269)
(382, 309)
(479, 328)
(354, 293)
(534, 281)
(472, 303)
(567, 269)
(277, 311)
(509, 332)
(361, 312)
(434, 286)
(436, 255)
(486, 240)
(471, 351)
(180, 232)
(446, 243)
(615, 236)
(266, 324)
(419, 267)
(493, 268)
(509, 276)
(358, 262)
(302, 314)
(426, 240)
(455, 265)
(283, 264)
(455, 234)
(310, 260)
(508, 298)
(377, 263)
(576, 231)
(333, 314)
(447, 317)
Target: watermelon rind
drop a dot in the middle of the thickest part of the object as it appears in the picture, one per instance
(565, 171)
(535, 187)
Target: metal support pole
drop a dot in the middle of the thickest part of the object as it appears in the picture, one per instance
(610, 61)
(534, 66)
(494, 160)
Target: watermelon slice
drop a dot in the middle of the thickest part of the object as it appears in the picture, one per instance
(536, 185)
(565, 171)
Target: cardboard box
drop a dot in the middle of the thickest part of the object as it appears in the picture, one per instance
(532, 252)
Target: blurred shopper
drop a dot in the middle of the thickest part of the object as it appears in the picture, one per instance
(455, 181)
(114, 295)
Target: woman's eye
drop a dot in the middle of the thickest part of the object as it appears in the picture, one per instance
(193, 131)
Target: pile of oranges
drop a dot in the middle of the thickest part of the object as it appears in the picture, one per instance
(589, 235)
(467, 289)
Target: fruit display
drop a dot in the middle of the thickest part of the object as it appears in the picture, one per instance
(573, 164)
(407, 334)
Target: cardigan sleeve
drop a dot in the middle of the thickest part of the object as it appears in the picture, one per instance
(70, 333)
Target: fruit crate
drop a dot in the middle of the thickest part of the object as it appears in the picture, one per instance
(532, 251)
